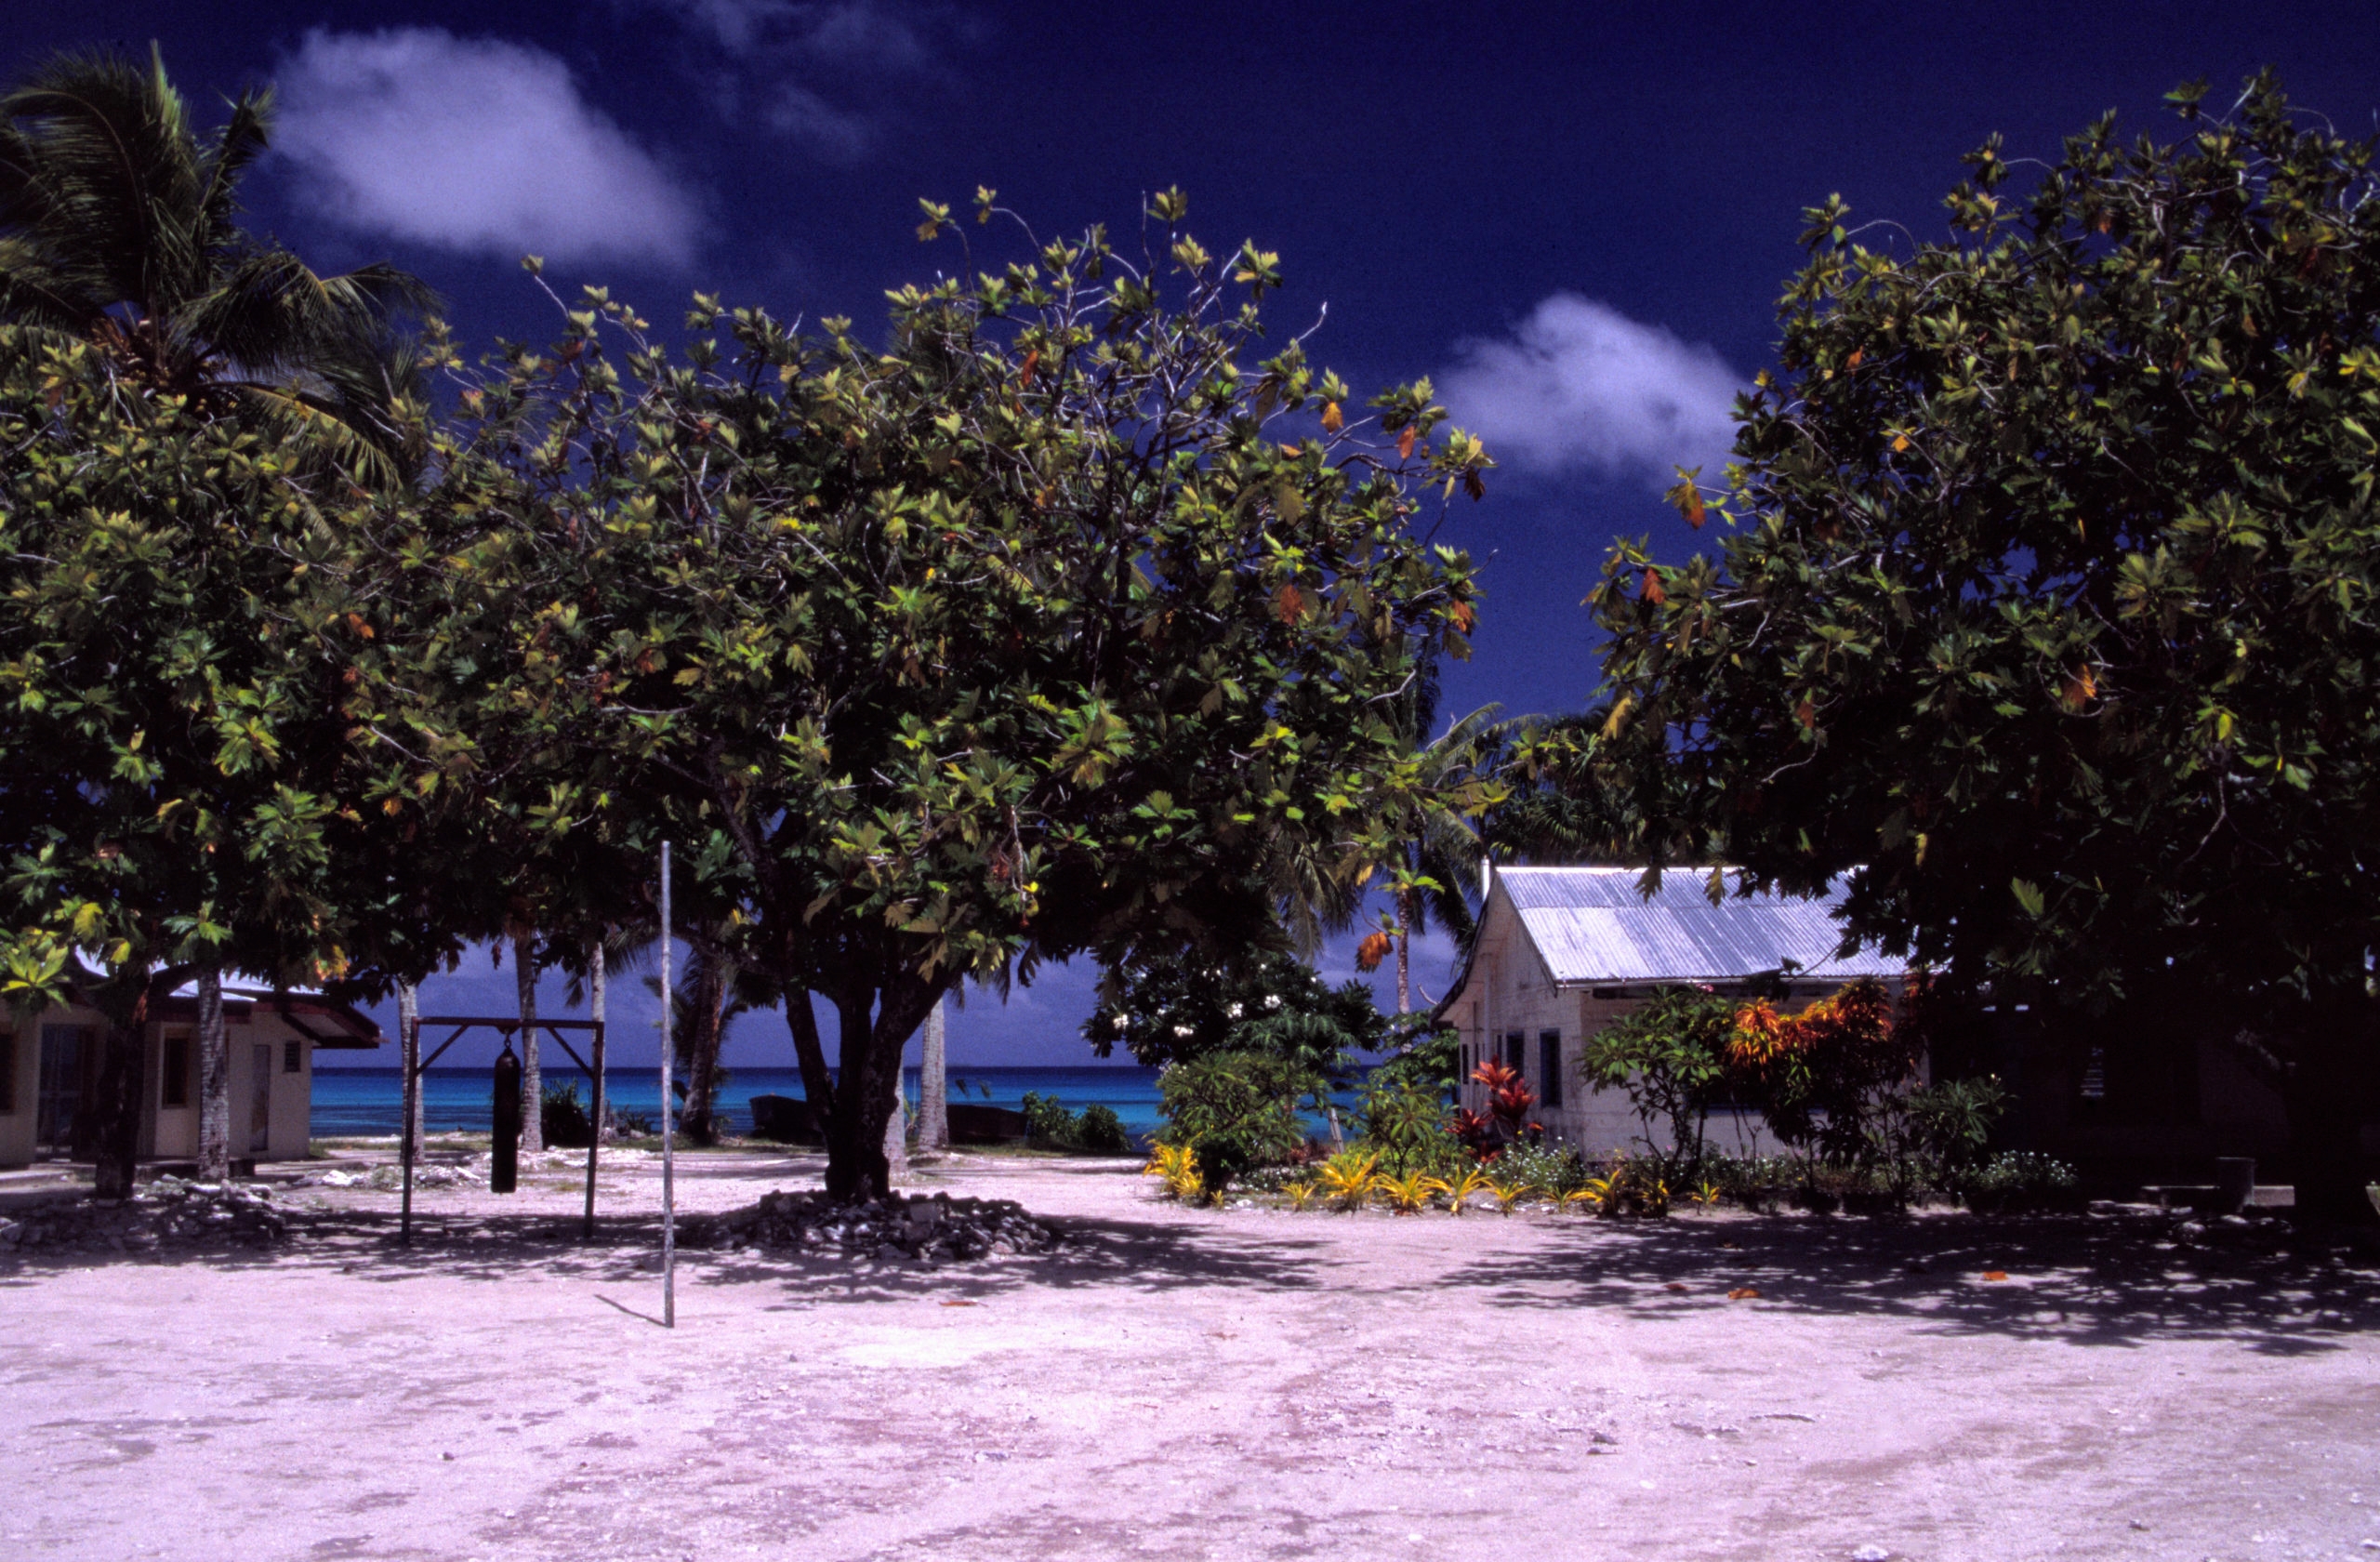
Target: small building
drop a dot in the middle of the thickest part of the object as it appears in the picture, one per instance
(49, 1069)
(2144, 1093)
(1562, 952)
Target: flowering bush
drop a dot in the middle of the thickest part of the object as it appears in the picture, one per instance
(1167, 1009)
(1839, 1083)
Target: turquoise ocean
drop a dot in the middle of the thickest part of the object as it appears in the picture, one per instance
(359, 1101)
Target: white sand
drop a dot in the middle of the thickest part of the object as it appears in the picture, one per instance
(1189, 1383)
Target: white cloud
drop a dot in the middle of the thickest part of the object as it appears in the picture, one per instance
(802, 115)
(801, 66)
(473, 144)
(1578, 385)
(851, 32)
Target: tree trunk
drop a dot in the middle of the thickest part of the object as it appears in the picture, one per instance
(933, 1090)
(896, 1137)
(115, 1138)
(1404, 952)
(2329, 1096)
(856, 1166)
(867, 1087)
(702, 1050)
(817, 1084)
(533, 1078)
(214, 1080)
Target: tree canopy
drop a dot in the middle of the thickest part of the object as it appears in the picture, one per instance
(2046, 608)
(1058, 623)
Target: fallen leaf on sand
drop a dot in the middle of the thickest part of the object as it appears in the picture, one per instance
(1674, 1286)
(958, 1303)
(1743, 1293)
(1995, 1274)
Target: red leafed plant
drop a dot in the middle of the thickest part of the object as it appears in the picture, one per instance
(1507, 1120)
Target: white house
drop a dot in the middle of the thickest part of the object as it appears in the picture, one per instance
(1564, 951)
(49, 1067)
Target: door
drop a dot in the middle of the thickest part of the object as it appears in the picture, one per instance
(61, 1098)
(260, 1092)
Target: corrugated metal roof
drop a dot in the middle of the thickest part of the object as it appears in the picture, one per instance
(1593, 924)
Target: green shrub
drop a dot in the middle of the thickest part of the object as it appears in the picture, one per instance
(2020, 1180)
(1100, 1128)
(563, 1117)
(1048, 1124)
(1405, 1123)
(1757, 1183)
(1671, 1056)
(1235, 1111)
(1432, 1059)
(1552, 1170)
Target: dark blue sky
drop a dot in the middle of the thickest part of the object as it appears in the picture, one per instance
(1576, 219)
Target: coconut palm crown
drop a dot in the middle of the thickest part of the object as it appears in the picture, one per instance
(119, 225)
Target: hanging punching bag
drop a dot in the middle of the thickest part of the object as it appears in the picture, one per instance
(505, 1173)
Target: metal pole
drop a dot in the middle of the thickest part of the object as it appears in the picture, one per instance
(595, 1131)
(668, 1161)
(409, 1056)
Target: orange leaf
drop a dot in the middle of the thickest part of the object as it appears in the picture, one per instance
(1806, 713)
(1900, 441)
(1653, 592)
(1744, 1294)
(1404, 442)
(1032, 361)
(1856, 353)
(1695, 510)
(1289, 603)
(1332, 419)
(1995, 1274)
(961, 1304)
(1371, 951)
(1464, 616)
(2081, 689)
(1674, 1285)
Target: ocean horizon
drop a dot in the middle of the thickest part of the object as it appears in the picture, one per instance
(357, 1102)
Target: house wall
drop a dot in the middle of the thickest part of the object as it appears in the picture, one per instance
(1512, 990)
(171, 1132)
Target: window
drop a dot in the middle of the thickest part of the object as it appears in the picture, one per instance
(173, 1089)
(293, 1056)
(7, 1072)
(1516, 1052)
(1549, 1062)
(2095, 1075)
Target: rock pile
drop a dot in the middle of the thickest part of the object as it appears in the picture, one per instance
(169, 1212)
(919, 1228)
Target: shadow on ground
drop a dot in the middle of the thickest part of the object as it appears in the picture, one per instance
(2083, 1280)
(1147, 1255)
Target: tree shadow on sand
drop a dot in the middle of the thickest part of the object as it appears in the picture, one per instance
(2080, 1280)
(363, 1243)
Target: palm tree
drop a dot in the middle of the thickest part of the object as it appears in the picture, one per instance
(1426, 843)
(119, 225)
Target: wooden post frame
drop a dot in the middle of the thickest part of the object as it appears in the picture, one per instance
(504, 1026)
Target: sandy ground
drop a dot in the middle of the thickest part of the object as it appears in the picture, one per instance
(1192, 1384)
